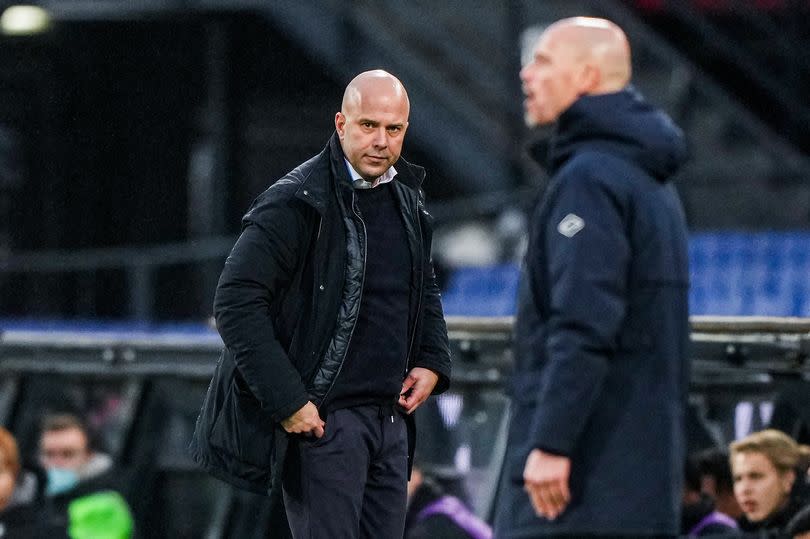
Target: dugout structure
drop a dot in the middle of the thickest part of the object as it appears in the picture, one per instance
(141, 388)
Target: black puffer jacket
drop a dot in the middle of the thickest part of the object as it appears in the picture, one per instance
(286, 305)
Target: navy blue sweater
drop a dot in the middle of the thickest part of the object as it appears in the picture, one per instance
(375, 363)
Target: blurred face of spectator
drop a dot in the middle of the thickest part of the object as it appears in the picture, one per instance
(760, 489)
(371, 125)
(551, 80)
(7, 480)
(64, 448)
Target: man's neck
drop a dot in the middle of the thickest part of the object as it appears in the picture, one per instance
(362, 183)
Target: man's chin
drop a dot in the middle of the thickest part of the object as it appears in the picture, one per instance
(371, 175)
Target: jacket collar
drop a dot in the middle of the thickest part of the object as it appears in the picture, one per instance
(328, 173)
(624, 124)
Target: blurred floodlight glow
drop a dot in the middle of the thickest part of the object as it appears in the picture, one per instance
(24, 20)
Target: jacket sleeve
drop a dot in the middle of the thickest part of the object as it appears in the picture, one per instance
(257, 272)
(587, 265)
(434, 351)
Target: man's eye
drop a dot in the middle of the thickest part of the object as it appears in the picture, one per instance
(366, 124)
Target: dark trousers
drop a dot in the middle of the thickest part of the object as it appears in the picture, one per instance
(352, 482)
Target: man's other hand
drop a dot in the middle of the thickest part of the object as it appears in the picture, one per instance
(545, 479)
(417, 387)
(305, 421)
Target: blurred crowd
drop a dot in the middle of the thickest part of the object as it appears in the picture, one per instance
(69, 489)
(758, 487)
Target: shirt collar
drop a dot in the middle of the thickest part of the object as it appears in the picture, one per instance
(360, 183)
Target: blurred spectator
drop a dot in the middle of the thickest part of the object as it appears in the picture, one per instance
(22, 506)
(716, 480)
(596, 438)
(82, 482)
(432, 513)
(698, 515)
(770, 480)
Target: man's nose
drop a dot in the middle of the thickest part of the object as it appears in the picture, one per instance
(380, 138)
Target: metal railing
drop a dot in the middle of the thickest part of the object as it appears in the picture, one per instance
(138, 262)
(482, 346)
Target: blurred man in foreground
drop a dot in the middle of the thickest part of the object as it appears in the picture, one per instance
(596, 443)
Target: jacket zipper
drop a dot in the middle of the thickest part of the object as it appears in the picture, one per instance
(419, 289)
(316, 297)
(359, 299)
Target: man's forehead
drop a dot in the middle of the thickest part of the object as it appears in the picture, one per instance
(371, 102)
(390, 113)
(553, 42)
(381, 120)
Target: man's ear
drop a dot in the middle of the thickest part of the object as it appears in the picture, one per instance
(788, 478)
(340, 124)
(590, 77)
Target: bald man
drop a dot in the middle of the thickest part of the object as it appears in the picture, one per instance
(596, 443)
(333, 330)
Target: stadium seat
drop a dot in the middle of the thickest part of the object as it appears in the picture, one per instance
(731, 273)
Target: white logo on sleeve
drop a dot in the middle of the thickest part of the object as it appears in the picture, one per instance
(570, 225)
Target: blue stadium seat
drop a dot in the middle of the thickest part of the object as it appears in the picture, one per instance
(731, 273)
(482, 291)
(763, 273)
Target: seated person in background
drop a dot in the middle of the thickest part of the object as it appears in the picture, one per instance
(22, 509)
(433, 514)
(716, 480)
(698, 515)
(81, 481)
(769, 470)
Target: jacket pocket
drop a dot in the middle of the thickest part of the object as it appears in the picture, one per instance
(242, 429)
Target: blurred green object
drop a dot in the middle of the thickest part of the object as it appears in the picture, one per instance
(104, 515)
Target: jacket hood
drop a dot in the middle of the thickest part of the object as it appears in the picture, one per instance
(622, 123)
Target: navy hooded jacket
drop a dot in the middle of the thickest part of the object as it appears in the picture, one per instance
(602, 328)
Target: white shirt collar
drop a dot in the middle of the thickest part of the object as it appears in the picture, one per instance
(360, 183)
